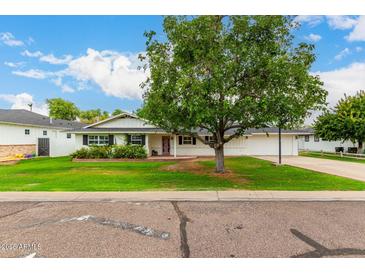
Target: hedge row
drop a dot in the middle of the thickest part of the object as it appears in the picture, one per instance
(115, 151)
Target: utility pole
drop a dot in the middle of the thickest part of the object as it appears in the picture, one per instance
(279, 145)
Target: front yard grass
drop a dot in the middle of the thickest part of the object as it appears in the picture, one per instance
(61, 174)
(331, 156)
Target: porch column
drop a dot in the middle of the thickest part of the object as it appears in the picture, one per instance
(175, 146)
(147, 145)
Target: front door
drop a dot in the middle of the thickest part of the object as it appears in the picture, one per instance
(43, 147)
(165, 145)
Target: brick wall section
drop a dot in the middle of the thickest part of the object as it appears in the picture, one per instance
(12, 150)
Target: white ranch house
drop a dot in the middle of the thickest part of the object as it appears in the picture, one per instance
(26, 132)
(128, 128)
(308, 141)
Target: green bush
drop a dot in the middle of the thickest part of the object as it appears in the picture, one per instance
(82, 153)
(99, 152)
(129, 151)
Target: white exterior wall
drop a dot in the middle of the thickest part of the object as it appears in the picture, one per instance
(119, 138)
(15, 135)
(252, 145)
(124, 123)
(326, 146)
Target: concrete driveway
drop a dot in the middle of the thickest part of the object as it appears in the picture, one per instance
(340, 168)
(182, 229)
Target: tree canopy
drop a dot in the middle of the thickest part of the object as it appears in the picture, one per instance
(224, 73)
(93, 115)
(62, 109)
(346, 121)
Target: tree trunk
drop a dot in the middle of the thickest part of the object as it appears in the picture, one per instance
(219, 159)
(360, 147)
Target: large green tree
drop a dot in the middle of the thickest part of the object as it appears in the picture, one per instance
(62, 109)
(217, 73)
(346, 121)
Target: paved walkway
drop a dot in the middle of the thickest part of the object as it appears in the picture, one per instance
(340, 168)
(202, 196)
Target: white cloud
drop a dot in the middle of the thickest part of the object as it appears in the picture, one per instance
(32, 73)
(9, 39)
(30, 40)
(22, 101)
(313, 37)
(115, 73)
(64, 87)
(311, 20)
(347, 80)
(35, 54)
(359, 49)
(51, 59)
(341, 22)
(343, 53)
(13, 64)
(358, 33)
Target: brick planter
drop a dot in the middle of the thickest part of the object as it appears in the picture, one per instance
(11, 150)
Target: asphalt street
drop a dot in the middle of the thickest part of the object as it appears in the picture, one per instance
(182, 229)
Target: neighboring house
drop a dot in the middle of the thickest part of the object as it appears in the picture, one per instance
(26, 132)
(129, 128)
(309, 141)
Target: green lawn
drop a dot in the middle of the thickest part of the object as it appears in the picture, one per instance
(60, 174)
(331, 157)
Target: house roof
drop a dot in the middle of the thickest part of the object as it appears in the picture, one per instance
(251, 131)
(26, 117)
(123, 114)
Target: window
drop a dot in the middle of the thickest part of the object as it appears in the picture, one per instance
(68, 135)
(316, 139)
(187, 140)
(44, 132)
(136, 139)
(27, 132)
(210, 139)
(98, 140)
(306, 138)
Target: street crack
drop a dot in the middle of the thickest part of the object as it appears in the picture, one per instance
(322, 251)
(184, 246)
(21, 210)
(143, 230)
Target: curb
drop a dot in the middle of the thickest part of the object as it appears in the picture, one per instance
(185, 196)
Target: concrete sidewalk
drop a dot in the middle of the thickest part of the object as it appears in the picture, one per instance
(207, 196)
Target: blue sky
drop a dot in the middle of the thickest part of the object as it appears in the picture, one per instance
(92, 60)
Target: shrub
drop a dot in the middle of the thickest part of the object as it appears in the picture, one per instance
(99, 152)
(129, 151)
(82, 153)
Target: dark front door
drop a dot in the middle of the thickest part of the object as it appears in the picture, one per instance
(165, 145)
(43, 146)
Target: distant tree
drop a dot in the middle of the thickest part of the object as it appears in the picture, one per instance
(117, 111)
(222, 73)
(62, 109)
(346, 121)
(93, 115)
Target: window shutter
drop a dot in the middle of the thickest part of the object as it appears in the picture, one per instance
(194, 141)
(111, 140)
(85, 140)
(128, 139)
(143, 140)
(180, 140)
